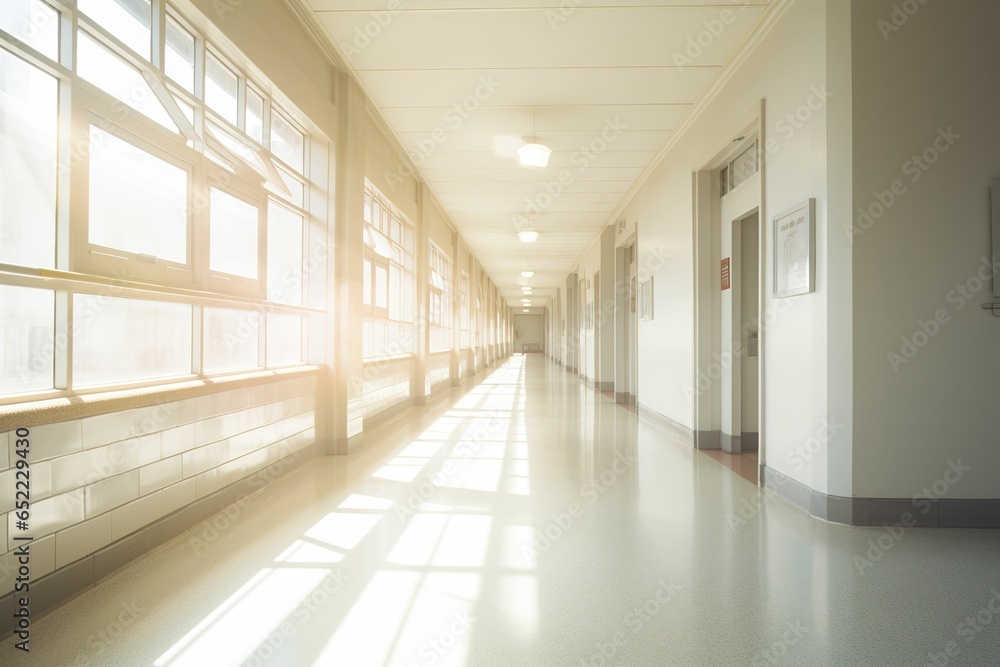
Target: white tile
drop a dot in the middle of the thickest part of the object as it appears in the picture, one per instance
(43, 556)
(58, 439)
(177, 440)
(244, 443)
(41, 480)
(135, 515)
(49, 516)
(203, 458)
(82, 540)
(178, 495)
(110, 493)
(208, 430)
(104, 429)
(7, 490)
(158, 475)
(156, 417)
(8, 571)
(90, 466)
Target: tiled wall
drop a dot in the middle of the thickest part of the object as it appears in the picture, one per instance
(385, 384)
(439, 368)
(97, 480)
(465, 359)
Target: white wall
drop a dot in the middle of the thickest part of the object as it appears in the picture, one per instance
(531, 331)
(788, 70)
(938, 71)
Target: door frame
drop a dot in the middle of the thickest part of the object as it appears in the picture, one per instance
(705, 391)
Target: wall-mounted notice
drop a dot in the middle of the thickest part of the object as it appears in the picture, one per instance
(794, 250)
(726, 274)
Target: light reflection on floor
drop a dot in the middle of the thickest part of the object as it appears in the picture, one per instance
(527, 520)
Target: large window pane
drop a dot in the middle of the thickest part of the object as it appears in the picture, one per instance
(286, 142)
(34, 23)
(126, 340)
(128, 20)
(221, 89)
(26, 339)
(179, 61)
(119, 79)
(138, 202)
(367, 297)
(231, 339)
(284, 339)
(234, 230)
(255, 116)
(284, 255)
(28, 119)
(381, 287)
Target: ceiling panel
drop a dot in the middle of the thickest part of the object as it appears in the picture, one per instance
(519, 87)
(460, 83)
(424, 120)
(431, 39)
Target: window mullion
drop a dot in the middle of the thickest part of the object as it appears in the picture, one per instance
(158, 31)
(62, 349)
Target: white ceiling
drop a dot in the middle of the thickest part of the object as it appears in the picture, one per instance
(568, 66)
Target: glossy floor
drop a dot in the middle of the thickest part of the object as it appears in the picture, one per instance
(526, 520)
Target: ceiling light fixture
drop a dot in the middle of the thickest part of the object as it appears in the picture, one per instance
(528, 236)
(533, 154)
(527, 274)
(525, 310)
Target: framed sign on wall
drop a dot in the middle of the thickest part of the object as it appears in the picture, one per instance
(793, 236)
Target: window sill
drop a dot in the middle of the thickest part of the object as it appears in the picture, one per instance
(388, 357)
(62, 406)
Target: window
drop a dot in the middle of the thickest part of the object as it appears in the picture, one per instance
(27, 334)
(255, 116)
(127, 340)
(221, 88)
(465, 314)
(235, 228)
(127, 20)
(740, 169)
(28, 126)
(193, 200)
(439, 310)
(388, 280)
(284, 255)
(284, 339)
(232, 339)
(107, 71)
(287, 143)
(33, 22)
(179, 55)
(138, 202)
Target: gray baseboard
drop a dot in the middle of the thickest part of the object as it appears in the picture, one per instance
(624, 398)
(604, 386)
(750, 442)
(922, 513)
(731, 444)
(59, 587)
(667, 424)
(708, 440)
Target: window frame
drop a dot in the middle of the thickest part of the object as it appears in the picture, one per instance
(82, 267)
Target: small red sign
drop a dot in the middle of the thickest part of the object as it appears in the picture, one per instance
(725, 274)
